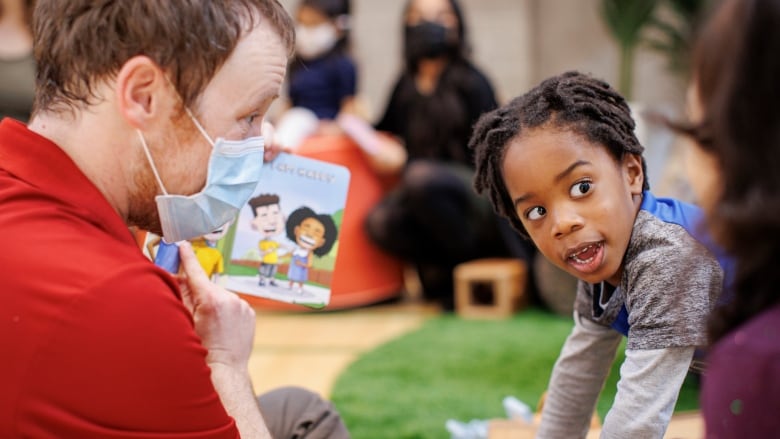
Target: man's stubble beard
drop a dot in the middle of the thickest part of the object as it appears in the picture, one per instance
(142, 209)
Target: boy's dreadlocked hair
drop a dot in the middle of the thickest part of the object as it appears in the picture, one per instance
(571, 101)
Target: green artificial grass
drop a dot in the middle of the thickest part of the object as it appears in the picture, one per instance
(453, 368)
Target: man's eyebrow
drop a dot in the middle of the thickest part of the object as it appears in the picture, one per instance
(261, 98)
(570, 169)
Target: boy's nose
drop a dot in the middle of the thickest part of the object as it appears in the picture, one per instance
(565, 221)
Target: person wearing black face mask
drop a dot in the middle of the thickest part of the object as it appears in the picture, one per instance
(428, 39)
(433, 220)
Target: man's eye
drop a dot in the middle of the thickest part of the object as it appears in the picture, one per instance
(535, 213)
(580, 188)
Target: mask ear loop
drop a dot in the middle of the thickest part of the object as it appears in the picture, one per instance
(189, 113)
(151, 162)
(198, 125)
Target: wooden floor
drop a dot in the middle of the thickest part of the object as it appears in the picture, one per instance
(311, 349)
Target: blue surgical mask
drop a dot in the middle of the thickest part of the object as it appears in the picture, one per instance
(233, 173)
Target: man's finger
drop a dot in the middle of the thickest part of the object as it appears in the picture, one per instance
(189, 263)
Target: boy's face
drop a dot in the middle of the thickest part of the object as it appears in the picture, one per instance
(268, 220)
(577, 203)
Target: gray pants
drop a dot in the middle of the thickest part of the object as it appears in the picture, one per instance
(296, 413)
(268, 270)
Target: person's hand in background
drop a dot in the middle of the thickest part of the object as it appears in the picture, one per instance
(272, 149)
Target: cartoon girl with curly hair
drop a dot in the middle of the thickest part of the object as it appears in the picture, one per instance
(313, 234)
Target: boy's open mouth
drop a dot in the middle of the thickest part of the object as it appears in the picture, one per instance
(586, 258)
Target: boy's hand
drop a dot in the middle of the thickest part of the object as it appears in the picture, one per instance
(224, 322)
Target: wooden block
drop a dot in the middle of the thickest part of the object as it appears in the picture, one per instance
(490, 288)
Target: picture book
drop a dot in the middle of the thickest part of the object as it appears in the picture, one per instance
(284, 242)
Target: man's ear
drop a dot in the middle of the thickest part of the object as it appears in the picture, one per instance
(635, 177)
(141, 88)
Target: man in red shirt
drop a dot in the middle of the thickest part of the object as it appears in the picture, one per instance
(96, 341)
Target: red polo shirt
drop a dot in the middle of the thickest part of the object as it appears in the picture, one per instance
(94, 339)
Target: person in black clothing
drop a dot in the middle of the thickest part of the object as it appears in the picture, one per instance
(434, 220)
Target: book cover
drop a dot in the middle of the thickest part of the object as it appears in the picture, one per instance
(284, 242)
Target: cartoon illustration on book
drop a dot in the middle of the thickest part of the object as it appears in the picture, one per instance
(269, 221)
(314, 234)
(206, 249)
(209, 256)
(284, 243)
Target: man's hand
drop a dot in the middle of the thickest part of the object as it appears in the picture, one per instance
(226, 326)
(224, 321)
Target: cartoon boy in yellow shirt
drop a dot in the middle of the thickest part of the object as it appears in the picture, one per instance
(269, 221)
(209, 256)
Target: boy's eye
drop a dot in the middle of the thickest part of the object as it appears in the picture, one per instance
(535, 213)
(580, 188)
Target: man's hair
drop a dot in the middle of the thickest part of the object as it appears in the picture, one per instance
(262, 200)
(571, 101)
(80, 43)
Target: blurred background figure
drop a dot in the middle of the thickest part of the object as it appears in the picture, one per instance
(17, 67)
(734, 168)
(434, 220)
(322, 75)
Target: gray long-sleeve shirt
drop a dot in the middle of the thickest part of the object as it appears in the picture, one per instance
(669, 284)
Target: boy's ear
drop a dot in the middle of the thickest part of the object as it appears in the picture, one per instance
(635, 178)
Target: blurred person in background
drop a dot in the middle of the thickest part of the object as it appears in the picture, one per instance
(322, 74)
(433, 220)
(734, 167)
(17, 66)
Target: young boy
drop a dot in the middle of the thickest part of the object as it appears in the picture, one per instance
(562, 163)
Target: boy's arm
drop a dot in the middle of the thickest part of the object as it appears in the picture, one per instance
(650, 382)
(577, 379)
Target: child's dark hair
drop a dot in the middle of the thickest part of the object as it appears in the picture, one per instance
(331, 232)
(262, 200)
(571, 101)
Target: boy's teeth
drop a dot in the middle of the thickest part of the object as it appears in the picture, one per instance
(576, 256)
(582, 261)
(581, 251)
